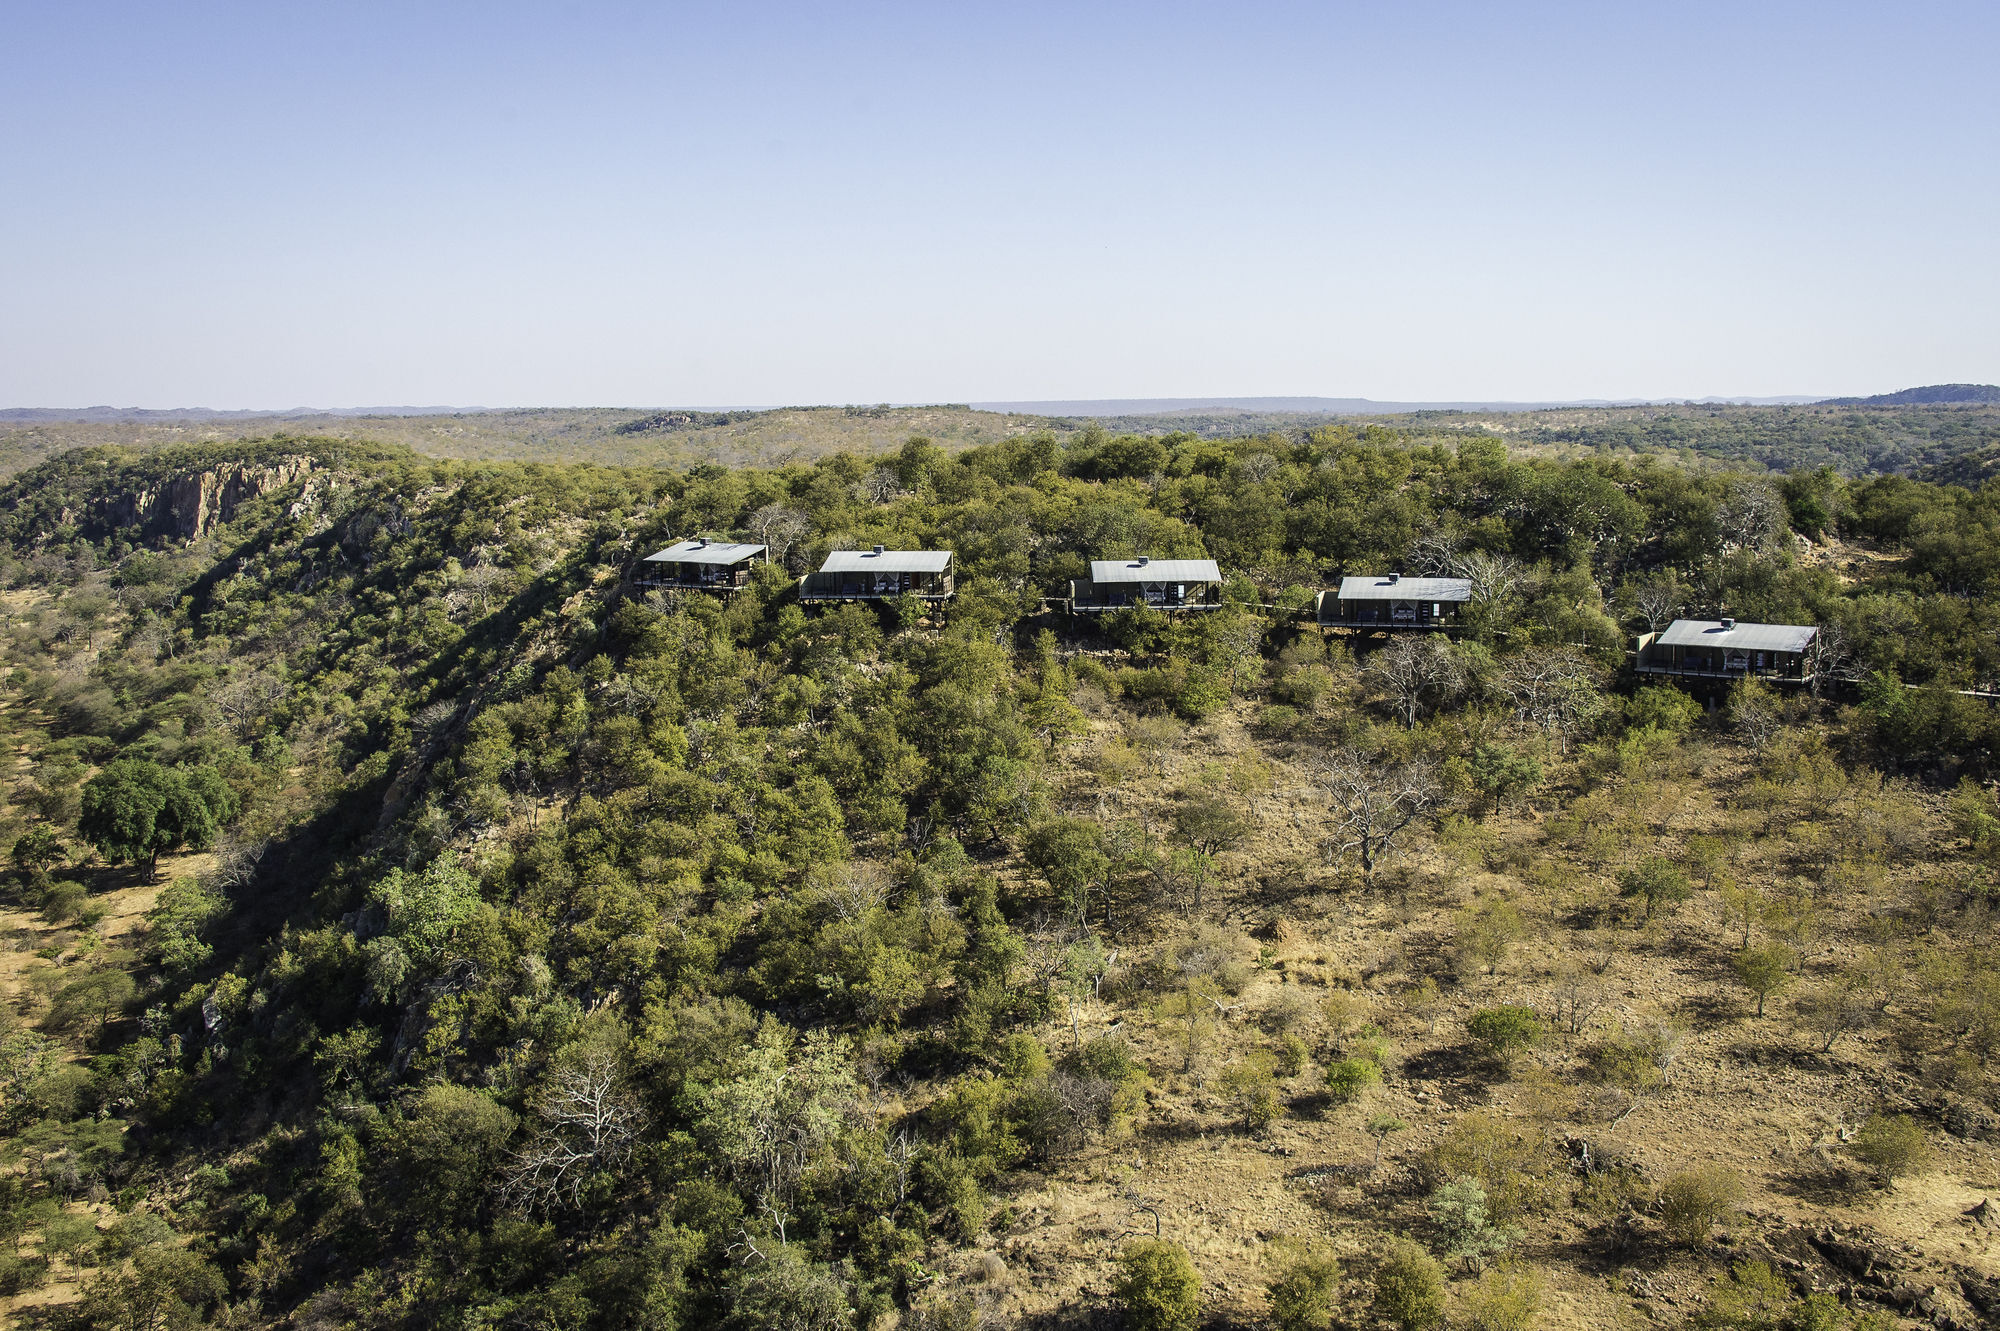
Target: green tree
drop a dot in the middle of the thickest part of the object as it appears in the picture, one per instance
(1500, 771)
(1507, 1298)
(791, 1292)
(1658, 882)
(1348, 1079)
(1466, 1228)
(135, 809)
(1764, 970)
(96, 997)
(1157, 1286)
(1381, 1127)
(425, 909)
(38, 848)
(167, 1289)
(1070, 853)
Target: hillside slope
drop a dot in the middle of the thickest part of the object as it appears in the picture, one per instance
(418, 921)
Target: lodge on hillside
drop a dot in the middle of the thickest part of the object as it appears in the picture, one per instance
(700, 563)
(879, 575)
(1162, 584)
(1392, 601)
(1727, 649)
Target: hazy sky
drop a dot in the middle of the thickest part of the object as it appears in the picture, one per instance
(285, 204)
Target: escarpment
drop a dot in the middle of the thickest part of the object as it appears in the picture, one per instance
(191, 505)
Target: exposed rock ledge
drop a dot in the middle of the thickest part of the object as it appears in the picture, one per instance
(193, 505)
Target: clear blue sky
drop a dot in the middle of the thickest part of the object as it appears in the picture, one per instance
(283, 204)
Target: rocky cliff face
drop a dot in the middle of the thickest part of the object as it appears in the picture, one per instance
(192, 505)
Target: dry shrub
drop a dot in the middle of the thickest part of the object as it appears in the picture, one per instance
(1695, 1202)
(1512, 1166)
(1209, 952)
(1892, 1145)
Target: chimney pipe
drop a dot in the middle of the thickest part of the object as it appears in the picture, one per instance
(1145, 559)
(703, 542)
(1395, 577)
(878, 549)
(1729, 623)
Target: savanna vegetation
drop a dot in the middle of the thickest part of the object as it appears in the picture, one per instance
(415, 922)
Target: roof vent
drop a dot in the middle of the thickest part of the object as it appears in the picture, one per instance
(1395, 577)
(1729, 623)
(878, 549)
(701, 541)
(1145, 559)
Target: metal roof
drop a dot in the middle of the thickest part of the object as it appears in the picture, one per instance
(1154, 570)
(1746, 637)
(1405, 589)
(705, 552)
(886, 561)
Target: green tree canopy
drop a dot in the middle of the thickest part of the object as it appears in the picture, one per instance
(134, 809)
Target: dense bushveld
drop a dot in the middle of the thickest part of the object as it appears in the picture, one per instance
(416, 923)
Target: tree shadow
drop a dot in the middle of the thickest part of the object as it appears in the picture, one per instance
(1463, 1071)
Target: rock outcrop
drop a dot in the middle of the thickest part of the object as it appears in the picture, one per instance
(190, 506)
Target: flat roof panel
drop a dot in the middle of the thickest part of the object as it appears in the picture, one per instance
(888, 561)
(1744, 637)
(714, 552)
(1154, 570)
(1385, 588)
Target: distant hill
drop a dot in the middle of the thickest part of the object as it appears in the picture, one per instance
(612, 436)
(1119, 407)
(1935, 395)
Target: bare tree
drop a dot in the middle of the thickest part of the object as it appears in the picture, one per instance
(1574, 999)
(881, 485)
(1418, 674)
(1557, 690)
(1659, 603)
(1370, 802)
(1753, 516)
(245, 699)
(779, 528)
(483, 581)
(1434, 553)
(1494, 578)
(1829, 659)
(589, 1125)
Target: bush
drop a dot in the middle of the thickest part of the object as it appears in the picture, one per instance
(1278, 720)
(1485, 935)
(1695, 1202)
(1409, 1288)
(1508, 1298)
(1892, 1145)
(63, 901)
(1157, 1286)
(1636, 1060)
(1662, 708)
(1349, 1078)
(20, 1274)
(1509, 1163)
(1251, 1084)
(1505, 1031)
(1302, 1295)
